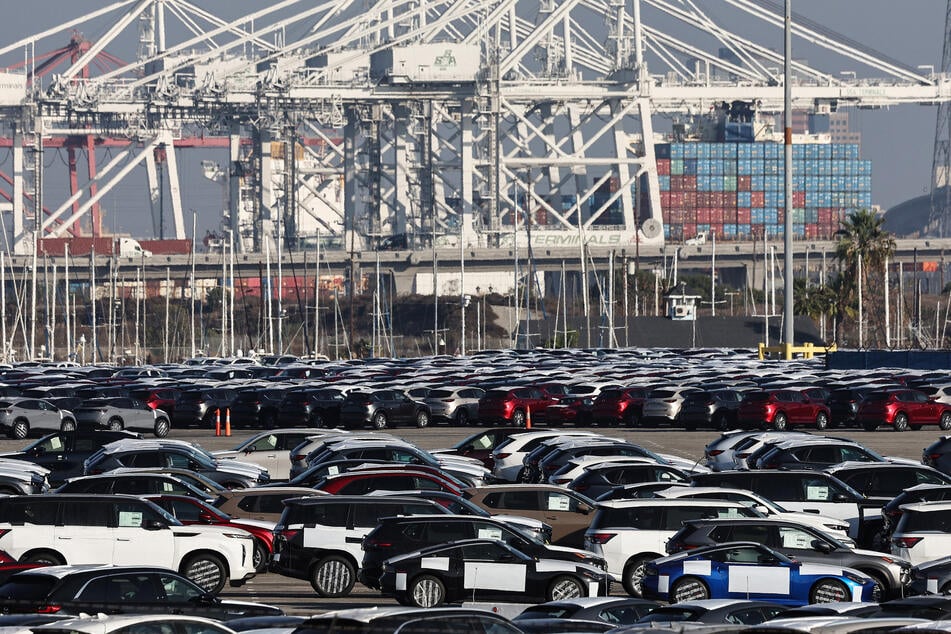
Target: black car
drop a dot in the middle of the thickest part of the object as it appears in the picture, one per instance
(202, 406)
(892, 511)
(63, 453)
(479, 569)
(710, 408)
(614, 610)
(395, 536)
(256, 407)
(887, 479)
(844, 404)
(797, 541)
(118, 590)
(389, 619)
(722, 612)
(931, 607)
(314, 408)
(597, 480)
(382, 408)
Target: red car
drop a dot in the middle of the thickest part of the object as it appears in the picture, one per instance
(190, 510)
(162, 398)
(617, 406)
(514, 405)
(903, 409)
(781, 409)
(407, 479)
(9, 565)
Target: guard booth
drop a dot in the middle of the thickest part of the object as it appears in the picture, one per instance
(682, 307)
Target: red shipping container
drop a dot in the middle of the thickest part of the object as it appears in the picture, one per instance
(690, 182)
(717, 216)
(676, 199)
(676, 183)
(799, 199)
(663, 167)
(664, 200)
(743, 183)
(717, 229)
(742, 216)
(690, 229)
(703, 216)
(690, 200)
(812, 231)
(757, 199)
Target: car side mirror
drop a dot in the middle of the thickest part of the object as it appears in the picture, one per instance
(761, 508)
(584, 509)
(841, 497)
(823, 547)
(249, 449)
(506, 557)
(154, 525)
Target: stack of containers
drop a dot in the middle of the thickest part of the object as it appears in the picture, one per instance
(737, 189)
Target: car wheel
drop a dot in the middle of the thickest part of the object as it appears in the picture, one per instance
(828, 591)
(518, 418)
(422, 419)
(115, 424)
(379, 420)
(462, 418)
(20, 429)
(881, 588)
(161, 428)
(822, 420)
(901, 422)
(45, 557)
(317, 420)
(633, 578)
(207, 571)
(426, 591)
(721, 422)
(688, 589)
(631, 419)
(945, 421)
(67, 425)
(779, 422)
(259, 557)
(268, 419)
(565, 587)
(333, 576)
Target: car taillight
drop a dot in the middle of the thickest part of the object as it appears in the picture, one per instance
(933, 456)
(600, 538)
(581, 488)
(376, 543)
(48, 609)
(715, 452)
(298, 457)
(906, 542)
(501, 456)
(288, 533)
(561, 481)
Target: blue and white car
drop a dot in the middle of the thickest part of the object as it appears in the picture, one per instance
(747, 570)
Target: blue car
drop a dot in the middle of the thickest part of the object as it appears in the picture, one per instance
(747, 570)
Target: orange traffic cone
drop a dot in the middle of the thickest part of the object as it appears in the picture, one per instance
(528, 417)
(227, 421)
(217, 422)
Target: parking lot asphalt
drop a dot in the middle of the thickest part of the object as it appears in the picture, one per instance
(297, 597)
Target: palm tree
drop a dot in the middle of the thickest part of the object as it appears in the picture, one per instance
(813, 300)
(863, 247)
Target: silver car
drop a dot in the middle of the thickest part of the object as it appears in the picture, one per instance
(20, 416)
(121, 413)
(455, 405)
(663, 404)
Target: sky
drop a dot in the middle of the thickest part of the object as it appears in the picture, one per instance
(899, 141)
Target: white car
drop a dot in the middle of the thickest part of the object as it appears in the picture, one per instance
(837, 528)
(134, 623)
(122, 530)
(508, 456)
(923, 533)
(631, 533)
(270, 449)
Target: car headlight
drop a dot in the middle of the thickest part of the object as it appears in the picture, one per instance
(238, 535)
(837, 527)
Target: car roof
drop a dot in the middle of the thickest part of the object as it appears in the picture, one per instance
(671, 502)
(110, 622)
(72, 569)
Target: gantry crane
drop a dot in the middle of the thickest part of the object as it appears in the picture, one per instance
(437, 120)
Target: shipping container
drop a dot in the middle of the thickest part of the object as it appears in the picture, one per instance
(427, 63)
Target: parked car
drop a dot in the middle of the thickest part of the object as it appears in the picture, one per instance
(480, 445)
(63, 453)
(190, 510)
(133, 484)
(401, 479)
(617, 611)
(399, 535)
(931, 577)
(118, 590)
(812, 453)
(568, 513)
(747, 570)
(597, 480)
(923, 532)
(780, 410)
(710, 408)
(481, 569)
(122, 530)
(269, 449)
(722, 612)
(513, 406)
(456, 405)
(902, 409)
(256, 407)
(886, 479)
(797, 541)
(844, 404)
(21, 417)
(116, 414)
(631, 533)
(311, 407)
(127, 624)
(201, 406)
(387, 619)
(617, 406)
(381, 409)
(938, 455)
(232, 474)
(662, 405)
(260, 503)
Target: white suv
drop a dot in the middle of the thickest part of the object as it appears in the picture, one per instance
(508, 456)
(923, 533)
(122, 530)
(631, 533)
